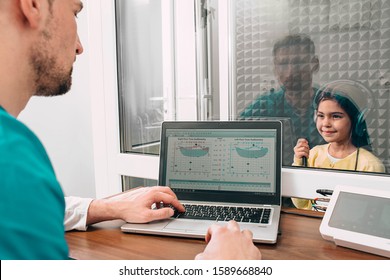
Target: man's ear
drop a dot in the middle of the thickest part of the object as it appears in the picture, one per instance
(31, 11)
(315, 64)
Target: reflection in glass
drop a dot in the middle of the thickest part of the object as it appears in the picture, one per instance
(278, 69)
(295, 62)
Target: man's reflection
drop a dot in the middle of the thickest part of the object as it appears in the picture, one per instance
(295, 62)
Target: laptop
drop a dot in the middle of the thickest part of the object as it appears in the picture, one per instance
(220, 170)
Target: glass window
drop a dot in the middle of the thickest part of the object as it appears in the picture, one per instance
(323, 68)
(282, 55)
(166, 69)
(129, 182)
(143, 102)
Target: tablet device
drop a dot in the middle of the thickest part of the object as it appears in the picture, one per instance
(359, 218)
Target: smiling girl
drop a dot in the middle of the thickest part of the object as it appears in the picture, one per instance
(340, 119)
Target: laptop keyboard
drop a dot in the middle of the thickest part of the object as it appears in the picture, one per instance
(225, 213)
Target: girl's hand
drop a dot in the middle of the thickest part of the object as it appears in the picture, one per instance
(302, 148)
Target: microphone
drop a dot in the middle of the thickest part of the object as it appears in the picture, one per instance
(304, 161)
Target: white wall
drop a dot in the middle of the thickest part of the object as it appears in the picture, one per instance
(64, 126)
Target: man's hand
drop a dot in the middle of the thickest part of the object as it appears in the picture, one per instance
(229, 243)
(135, 206)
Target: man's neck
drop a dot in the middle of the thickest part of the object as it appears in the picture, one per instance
(11, 105)
(14, 94)
(15, 84)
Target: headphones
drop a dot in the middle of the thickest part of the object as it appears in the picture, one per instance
(355, 93)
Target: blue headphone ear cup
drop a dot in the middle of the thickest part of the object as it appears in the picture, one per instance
(360, 128)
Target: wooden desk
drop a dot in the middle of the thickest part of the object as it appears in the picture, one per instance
(300, 239)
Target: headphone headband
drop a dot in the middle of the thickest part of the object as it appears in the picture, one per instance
(357, 93)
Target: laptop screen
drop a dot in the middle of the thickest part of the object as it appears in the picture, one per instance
(222, 161)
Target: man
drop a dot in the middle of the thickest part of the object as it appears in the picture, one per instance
(39, 45)
(295, 62)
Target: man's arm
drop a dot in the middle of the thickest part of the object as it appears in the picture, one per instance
(76, 211)
(133, 206)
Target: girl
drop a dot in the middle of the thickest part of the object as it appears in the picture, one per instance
(341, 122)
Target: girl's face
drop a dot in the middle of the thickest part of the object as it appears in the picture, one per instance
(333, 122)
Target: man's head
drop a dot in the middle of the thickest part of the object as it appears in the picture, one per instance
(39, 46)
(54, 52)
(295, 61)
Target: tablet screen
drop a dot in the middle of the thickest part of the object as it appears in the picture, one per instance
(362, 213)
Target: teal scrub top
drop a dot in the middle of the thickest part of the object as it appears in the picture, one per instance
(32, 204)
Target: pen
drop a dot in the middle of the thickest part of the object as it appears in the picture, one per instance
(304, 161)
(322, 199)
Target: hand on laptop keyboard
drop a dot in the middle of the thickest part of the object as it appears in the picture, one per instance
(139, 205)
(224, 213)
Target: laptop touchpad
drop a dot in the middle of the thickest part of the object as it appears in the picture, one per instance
(189, 225)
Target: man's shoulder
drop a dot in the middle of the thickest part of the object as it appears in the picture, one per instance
(31, 194)
(21, 151)
(12, 129)
(265, 104)
(273, 94)
(16, 137)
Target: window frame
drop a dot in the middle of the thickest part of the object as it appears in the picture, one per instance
(110, 164)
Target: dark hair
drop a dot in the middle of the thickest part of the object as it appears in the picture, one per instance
(295, 40)
(332, 91)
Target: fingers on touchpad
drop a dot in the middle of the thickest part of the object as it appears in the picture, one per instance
(189, 226)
